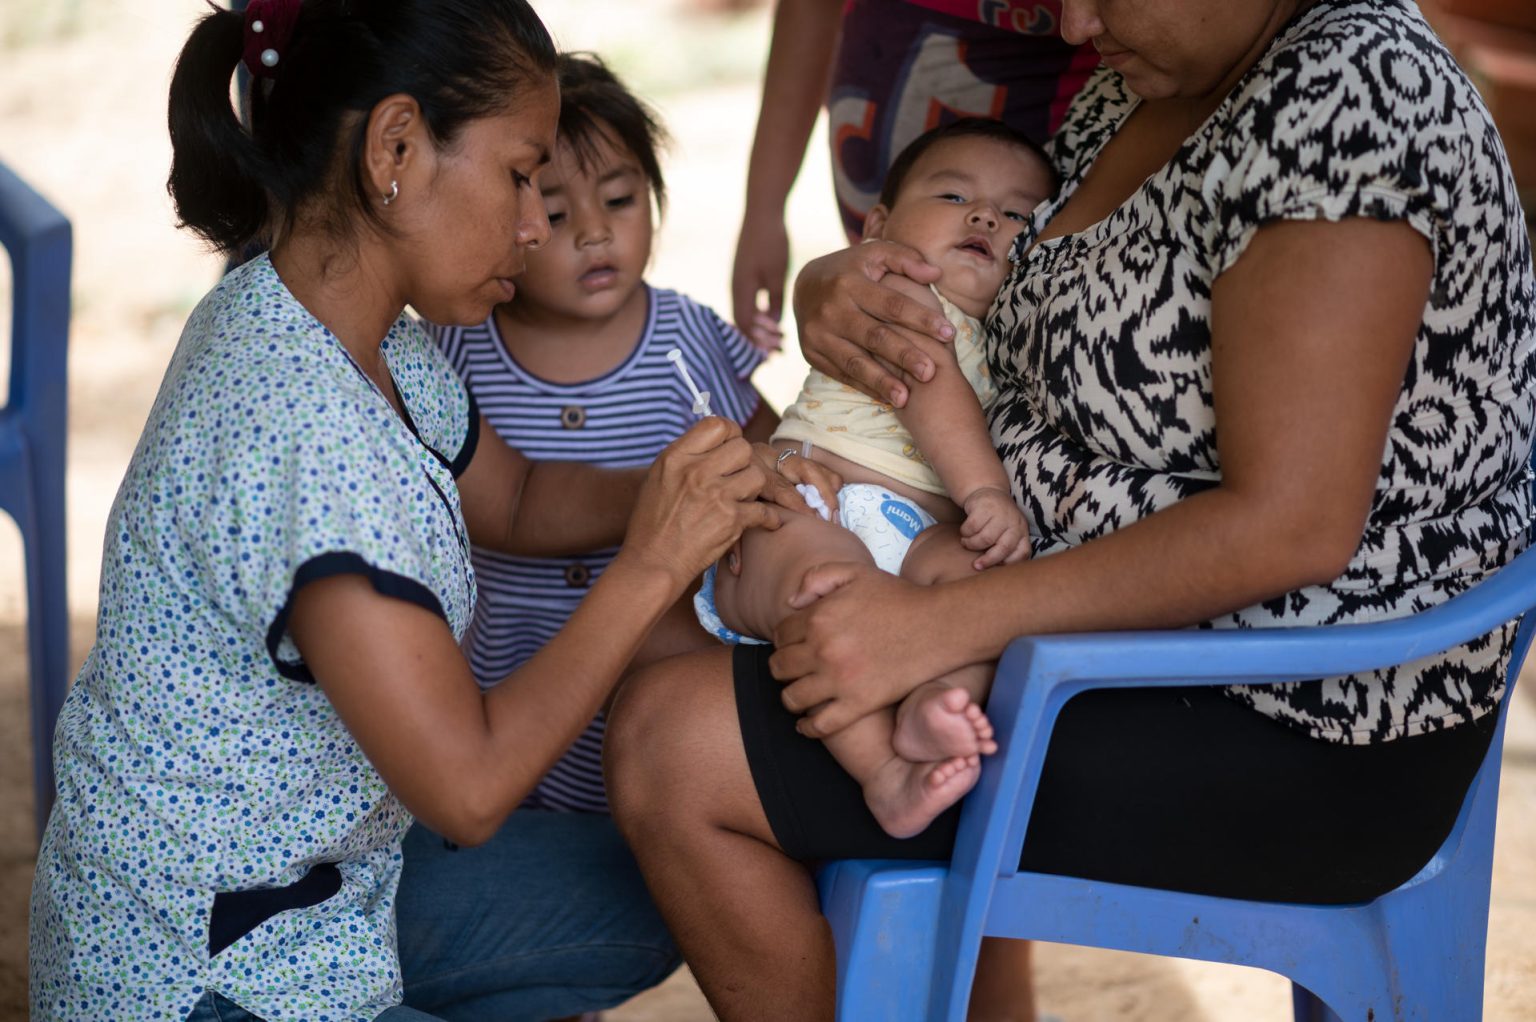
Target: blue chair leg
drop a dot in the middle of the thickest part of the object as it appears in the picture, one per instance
(42, 528)
(1442, 981)
(33, 425)
(1394, 973)
(883, 925)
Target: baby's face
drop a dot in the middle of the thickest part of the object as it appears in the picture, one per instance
(961, 206)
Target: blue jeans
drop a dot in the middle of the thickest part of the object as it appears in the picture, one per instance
(217, 1008)
(549, 918)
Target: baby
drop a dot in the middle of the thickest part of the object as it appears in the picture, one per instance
(925, 495)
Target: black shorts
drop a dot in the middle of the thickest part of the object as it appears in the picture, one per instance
(1177, 788)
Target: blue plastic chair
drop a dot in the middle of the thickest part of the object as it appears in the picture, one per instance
(908, 934)
(32, 429)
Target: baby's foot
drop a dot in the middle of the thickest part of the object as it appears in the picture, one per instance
(905, 797)
(940, 722)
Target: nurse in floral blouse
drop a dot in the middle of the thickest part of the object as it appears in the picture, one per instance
(276, 690)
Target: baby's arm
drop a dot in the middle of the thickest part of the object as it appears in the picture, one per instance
(948, 425)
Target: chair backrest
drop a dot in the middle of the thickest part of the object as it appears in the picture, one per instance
(37, 236)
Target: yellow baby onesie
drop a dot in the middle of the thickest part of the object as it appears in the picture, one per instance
(865, 431)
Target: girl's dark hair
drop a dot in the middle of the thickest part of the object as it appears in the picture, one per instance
(965, 127)
(595, 104)
(459, 59)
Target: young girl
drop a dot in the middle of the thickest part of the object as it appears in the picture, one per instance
(575, 368)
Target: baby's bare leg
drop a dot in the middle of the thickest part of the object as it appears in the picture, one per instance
(903, 795)
(943, 718)
(754, 596)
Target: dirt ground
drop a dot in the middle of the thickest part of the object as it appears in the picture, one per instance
(82, 94)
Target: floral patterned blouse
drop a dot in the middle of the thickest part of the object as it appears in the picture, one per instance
(217, 828)
(1101, 341)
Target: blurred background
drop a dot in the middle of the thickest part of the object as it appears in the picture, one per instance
(82, 118)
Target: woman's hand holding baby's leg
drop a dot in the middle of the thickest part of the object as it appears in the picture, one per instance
(752, 590)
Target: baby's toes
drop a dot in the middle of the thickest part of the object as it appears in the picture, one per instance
(978, 718)
(943, 772)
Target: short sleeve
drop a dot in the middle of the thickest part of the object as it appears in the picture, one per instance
(726, 360)
(320, 482)
(1311, 138)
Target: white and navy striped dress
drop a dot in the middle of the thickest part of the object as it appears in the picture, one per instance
(622, 418)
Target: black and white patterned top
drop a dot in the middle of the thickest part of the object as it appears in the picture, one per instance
(1101, 346)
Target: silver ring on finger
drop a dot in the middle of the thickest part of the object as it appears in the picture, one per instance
(779, 461)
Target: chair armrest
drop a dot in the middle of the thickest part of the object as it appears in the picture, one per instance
(1267, 655)
(1037, 675)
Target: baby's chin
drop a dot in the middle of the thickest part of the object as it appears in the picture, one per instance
(968, 293)
(970, 306)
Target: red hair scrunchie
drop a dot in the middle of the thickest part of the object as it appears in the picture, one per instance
(268, 30)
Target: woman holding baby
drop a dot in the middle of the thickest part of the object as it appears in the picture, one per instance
(1265, 360)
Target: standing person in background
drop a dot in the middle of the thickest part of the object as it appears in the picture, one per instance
(887, 71)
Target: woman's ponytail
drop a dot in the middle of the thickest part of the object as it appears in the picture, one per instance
(331, 61)
(216, 167)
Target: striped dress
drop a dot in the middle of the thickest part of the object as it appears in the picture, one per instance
(620, 419)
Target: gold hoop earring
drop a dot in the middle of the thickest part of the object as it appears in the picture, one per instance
(394, 192)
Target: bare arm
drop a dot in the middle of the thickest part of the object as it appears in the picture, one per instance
(794, 86)
(759, 429)
(543, 508)
(944, 416)
(461, 760)
(948, 425)
(1312, 330)
(556, 508)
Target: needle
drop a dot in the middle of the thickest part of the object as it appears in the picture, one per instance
(700, 397)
